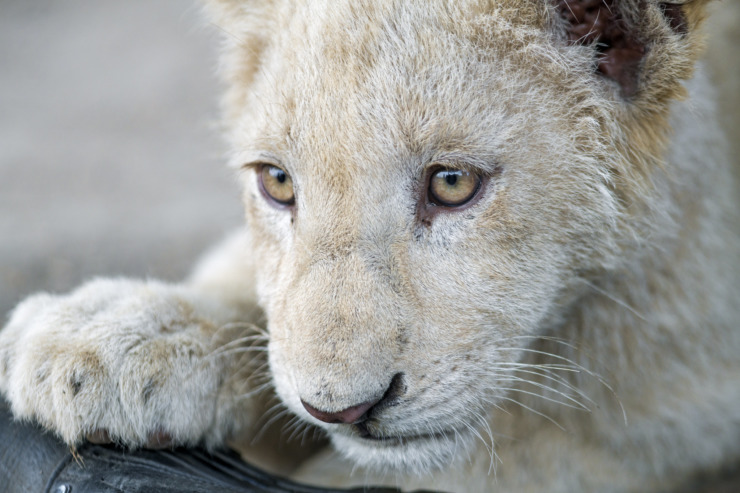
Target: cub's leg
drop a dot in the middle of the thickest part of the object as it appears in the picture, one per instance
(142, 363)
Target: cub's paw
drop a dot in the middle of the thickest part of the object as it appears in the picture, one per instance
(138, 363)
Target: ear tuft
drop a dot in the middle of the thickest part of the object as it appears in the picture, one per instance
(622, 32)
(675, 17)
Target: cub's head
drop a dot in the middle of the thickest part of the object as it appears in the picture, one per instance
(428, 184)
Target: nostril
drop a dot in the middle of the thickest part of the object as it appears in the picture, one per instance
(353, 414)
(346, 416)
(396, 389)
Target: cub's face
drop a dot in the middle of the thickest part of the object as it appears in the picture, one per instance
(426, 185)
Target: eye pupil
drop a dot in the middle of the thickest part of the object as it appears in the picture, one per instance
(451, 177)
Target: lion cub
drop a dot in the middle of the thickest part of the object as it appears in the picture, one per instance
(494, 243)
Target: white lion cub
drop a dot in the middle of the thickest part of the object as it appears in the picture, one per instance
(494, 242)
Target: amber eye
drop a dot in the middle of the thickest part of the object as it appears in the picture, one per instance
(453, 187)
(276, 184)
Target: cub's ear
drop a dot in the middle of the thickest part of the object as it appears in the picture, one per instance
(644, 47)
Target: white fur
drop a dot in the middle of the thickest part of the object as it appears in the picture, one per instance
(575, 329)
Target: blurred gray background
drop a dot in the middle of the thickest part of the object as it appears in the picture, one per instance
(110, 162)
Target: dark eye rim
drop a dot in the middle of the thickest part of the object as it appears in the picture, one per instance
(433, 200)
(280, 204)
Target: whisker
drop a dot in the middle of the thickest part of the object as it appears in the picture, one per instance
(255, 390)
(616, 300)
(535, 412)
(514, 378)
(492, 450)
(239, 350)
(544, 366)
(578, 405)
(559, 380)
(545, 353)
(278, 415)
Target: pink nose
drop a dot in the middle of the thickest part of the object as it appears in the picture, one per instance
(346, 416)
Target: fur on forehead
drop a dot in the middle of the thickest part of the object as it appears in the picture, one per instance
(251, 27)
(665, 33)
(342, 52)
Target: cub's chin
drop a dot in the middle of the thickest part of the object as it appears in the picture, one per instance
(411, 454)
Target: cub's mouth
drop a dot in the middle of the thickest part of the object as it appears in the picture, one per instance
(392, 446)
(398, 430)
(376, 424)
(399, 440)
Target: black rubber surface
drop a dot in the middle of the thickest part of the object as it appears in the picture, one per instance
(32, 460)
